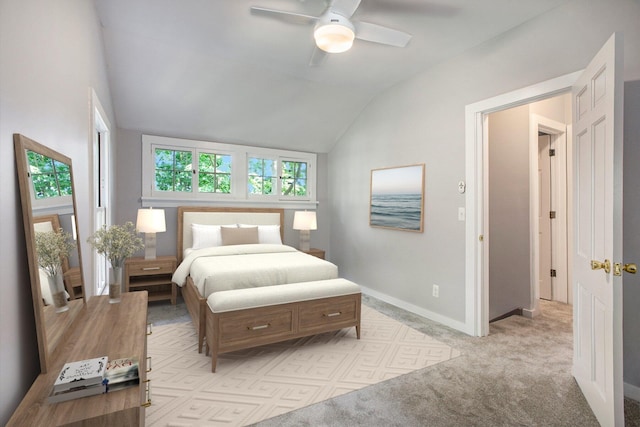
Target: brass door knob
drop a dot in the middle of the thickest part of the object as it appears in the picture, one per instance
(597, 265)
(630, 268)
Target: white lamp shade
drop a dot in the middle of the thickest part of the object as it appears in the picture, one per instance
(334, 38)
(305, 220)
(151, 221)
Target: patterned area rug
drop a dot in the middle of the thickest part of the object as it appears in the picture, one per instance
(257, 384)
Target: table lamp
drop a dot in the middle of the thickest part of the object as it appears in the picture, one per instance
(305, 221)
(150, 221)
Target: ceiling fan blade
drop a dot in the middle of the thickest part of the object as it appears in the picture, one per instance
(295, 18)
(318, 57)
(379, 34)
(345, 7)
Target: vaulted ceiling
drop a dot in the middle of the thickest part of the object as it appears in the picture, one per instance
(211, 70)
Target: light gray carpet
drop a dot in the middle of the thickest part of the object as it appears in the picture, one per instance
(520, 375)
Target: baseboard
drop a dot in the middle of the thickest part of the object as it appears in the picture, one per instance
(632, 392)
(515, 312)
(447, 321)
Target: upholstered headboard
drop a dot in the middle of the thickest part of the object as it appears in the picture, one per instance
(188, 215)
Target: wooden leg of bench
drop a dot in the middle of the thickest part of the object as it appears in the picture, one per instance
(358, 331)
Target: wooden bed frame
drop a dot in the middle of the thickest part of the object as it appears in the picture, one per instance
(187, 215)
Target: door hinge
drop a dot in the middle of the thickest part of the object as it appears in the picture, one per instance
(552, 214)
(553, 273)
(552, 152)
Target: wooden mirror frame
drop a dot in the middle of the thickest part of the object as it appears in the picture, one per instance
(51, 327)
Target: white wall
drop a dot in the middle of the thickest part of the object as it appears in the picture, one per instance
(50, 55)
(422, 120)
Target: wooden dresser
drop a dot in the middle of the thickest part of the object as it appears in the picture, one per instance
(100, 329)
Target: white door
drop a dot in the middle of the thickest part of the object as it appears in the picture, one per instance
(597, 192)
(544, 220)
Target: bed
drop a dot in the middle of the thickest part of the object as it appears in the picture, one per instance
(222, 249)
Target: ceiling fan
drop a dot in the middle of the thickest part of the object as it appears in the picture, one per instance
(334, 32)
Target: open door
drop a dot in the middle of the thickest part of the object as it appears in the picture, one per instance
(597, 210)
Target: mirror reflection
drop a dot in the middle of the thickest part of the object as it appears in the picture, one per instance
(48, 203)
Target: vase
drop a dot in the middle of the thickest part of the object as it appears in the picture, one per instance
(56, 286)
(115, 284)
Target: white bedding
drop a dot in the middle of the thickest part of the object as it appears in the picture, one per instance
(223, 268)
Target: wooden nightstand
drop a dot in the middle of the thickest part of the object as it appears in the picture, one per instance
(152, 275)
(315, 252)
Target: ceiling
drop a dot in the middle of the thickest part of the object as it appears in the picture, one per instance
(210, 70)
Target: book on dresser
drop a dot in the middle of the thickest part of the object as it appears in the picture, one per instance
(122, 373)
(76, 393)
(82, 373)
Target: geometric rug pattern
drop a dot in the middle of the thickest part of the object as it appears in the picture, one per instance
(256, 384)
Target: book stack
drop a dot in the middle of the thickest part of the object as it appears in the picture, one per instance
(79, 379)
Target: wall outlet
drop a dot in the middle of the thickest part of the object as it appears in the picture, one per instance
(436, 291)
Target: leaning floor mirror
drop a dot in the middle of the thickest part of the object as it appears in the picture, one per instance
(47, 193)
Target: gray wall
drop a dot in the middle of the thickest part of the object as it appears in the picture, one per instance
(509, 250)
(422, 120)
(128, 182)
(631, 226)
(50, 55)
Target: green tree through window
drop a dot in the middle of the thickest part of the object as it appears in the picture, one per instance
(294, 178)
(214, 173)
(262, 176)
(173, 170)
(50, 178)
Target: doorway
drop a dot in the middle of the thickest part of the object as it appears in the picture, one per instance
(478, 235)
(552, 196)
(527, 206)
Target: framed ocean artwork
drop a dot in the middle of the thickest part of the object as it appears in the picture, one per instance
(397, 198)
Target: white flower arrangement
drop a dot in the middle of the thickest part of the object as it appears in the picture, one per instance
(52, 247)
(117, 242)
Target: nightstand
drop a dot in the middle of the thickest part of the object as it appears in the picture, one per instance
(153, 276)
(315, 252)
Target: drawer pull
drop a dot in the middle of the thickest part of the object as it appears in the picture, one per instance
(337, 313)
(148, 363)
(255, 328)
(147, 392)
(149, 328)
(150, 268)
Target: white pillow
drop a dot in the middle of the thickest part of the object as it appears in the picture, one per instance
(267, 234)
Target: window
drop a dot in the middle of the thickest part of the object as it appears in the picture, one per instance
(294, 178)
(50, 178)
(262, 176)
(173, 170)
(179, 170)
(290, 181)
(214, 173)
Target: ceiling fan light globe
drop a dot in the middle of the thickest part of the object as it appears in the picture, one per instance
(334, 38)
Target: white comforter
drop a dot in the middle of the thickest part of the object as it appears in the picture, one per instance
(242, 266)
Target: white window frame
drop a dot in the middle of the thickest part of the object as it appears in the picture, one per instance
(239, 174)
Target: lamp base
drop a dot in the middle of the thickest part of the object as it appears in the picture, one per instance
(304, 240)
(149, 245)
